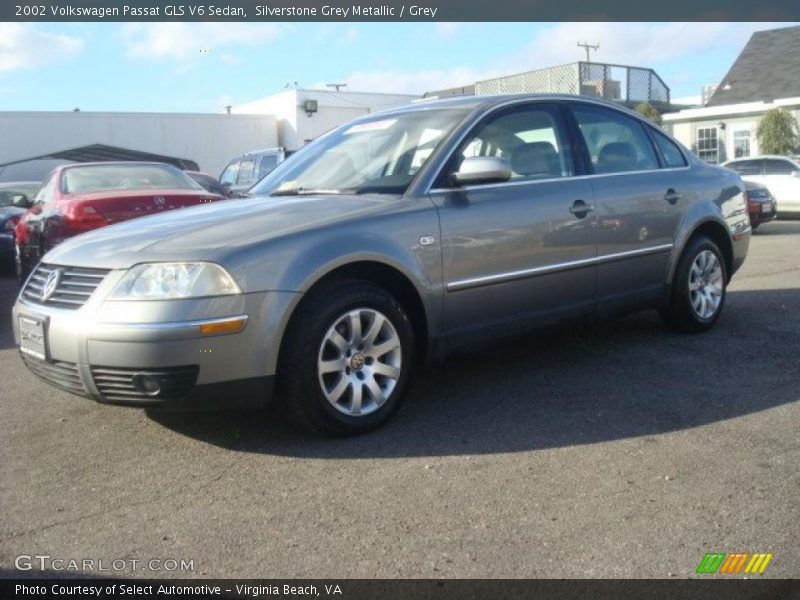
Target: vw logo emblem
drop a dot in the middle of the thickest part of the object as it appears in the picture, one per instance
(50, 284)
(159, 200)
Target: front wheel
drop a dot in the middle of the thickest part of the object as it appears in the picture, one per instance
(347, 359)
(699, 288)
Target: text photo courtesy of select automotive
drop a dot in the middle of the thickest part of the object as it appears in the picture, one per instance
(580, 288)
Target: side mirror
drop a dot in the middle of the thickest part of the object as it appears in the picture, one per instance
(22, 201)
(482, 169)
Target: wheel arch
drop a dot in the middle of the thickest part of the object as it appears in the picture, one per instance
(389, 277)
(716, 232)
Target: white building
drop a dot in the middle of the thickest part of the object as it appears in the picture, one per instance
(303, 115)
(765, 75)
(209, 140)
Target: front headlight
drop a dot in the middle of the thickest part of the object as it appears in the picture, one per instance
(165, 281)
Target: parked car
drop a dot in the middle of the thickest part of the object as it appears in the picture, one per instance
(392, 239)
(761, 204)
(208, 182)
(14, 200)
(246, 170)
(780, 174)
(77, 198)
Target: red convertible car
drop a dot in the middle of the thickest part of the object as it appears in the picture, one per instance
(77, 198)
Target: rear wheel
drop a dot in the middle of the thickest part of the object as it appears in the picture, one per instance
(347, 359)
(699, 288)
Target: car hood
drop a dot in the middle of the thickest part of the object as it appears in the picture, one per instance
(205, 232)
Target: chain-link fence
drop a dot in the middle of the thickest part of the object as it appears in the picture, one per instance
(631, 85)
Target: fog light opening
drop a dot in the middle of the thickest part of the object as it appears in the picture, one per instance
(146, 384)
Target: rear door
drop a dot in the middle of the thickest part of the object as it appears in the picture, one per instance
(639, 201)
(516, 253)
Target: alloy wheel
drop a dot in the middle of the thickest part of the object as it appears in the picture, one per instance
(359, 362)
(706, 285)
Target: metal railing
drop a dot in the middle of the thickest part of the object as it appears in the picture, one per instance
(622, 83)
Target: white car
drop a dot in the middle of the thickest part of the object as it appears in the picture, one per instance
(780, 174)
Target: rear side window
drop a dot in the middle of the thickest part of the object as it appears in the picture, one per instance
(268, 163)
(673, 157)
(616, 143)
(746, 167)
(779, 167)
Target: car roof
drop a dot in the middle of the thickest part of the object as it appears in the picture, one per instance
(116, 163)
(491, 101)
(761, 157)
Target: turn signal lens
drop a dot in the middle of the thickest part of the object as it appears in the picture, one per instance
(234, 325)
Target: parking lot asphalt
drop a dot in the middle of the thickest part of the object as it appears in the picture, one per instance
(610, 450)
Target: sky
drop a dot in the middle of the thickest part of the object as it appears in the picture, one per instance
(202, 67)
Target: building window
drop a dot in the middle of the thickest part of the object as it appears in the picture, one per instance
(708, 144)
(741, 143)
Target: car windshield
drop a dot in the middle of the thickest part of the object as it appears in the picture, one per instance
(380, 155)
(102, 178)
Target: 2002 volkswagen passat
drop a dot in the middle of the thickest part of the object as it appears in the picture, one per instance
(392, 238)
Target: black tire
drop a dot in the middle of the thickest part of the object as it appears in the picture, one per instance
(680, 315)
(300, 394)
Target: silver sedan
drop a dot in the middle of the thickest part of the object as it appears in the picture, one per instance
(386, 243)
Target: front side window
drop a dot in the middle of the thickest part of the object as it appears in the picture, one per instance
(378, 155)
(708, 145)
(775, 166)
(528, 138)
(673, 157)
(230, 173)
(616, 143)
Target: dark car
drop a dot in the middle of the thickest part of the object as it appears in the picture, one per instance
(761, 204)
(209, 182)
(15, 198)
(77, 198)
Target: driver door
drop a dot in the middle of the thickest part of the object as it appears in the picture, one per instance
(517, 253)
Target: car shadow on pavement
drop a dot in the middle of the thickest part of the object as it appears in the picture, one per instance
(570, 385)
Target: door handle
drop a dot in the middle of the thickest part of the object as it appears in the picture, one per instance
(580, 209)
(672, 196)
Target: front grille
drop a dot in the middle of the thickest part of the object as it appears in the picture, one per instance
(75, 286)
(61, 374)
(118, 384)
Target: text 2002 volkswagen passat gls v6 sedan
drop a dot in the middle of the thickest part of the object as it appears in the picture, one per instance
(392, 238)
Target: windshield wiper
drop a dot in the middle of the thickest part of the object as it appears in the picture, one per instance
(305, 192)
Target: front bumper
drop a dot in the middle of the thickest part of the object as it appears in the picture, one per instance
(104, 349)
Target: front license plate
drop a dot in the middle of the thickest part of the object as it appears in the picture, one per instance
(766, 207)
(32, 337)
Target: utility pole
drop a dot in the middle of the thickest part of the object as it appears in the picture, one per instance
(336, 86)
(586, 46)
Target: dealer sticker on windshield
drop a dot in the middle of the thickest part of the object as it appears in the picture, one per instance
(371, 126)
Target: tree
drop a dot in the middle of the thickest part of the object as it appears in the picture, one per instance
(651, 112)
(777, 132)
